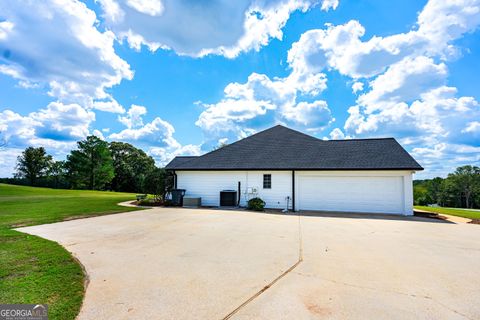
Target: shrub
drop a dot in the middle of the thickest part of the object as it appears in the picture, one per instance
(256, 204)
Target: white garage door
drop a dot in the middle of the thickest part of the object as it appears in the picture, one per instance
(351, 194)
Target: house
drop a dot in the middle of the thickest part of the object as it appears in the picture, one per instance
(285, 167)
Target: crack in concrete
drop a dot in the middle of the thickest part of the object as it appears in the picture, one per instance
(268, 286)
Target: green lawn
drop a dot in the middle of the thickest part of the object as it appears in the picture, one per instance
(35, 270)
(470, 214)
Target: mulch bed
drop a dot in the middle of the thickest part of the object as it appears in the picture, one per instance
(429, 215)
(475, 221)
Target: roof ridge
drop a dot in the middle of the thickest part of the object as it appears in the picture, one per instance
(299, 132)
(233, 143)
(360, 139)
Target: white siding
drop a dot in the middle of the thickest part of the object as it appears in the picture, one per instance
(208, 184)
(355, 191)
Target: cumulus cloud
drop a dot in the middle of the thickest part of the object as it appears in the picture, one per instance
(109, 105)
(407, 75)
(56, 124)
(337, 134)
(357, 86)
(55, 127)
(199, 28)
(261, 101)
(157, 136)
(329, 4)
(63, 122)
(57, 44)
(158, 132)
(8, 158)
(404, 81)
(438, 25)
(165, 155)
(134, 116)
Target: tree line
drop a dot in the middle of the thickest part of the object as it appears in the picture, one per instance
(95, 165)
(460, 189)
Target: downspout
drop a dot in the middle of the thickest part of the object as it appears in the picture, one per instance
(239, 193)
(293, 190)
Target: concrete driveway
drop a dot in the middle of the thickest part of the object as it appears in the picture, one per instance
(213, 264)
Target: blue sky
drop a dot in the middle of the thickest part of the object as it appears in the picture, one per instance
(179, 77)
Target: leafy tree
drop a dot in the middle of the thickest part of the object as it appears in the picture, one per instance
(91, 166)
(131, 166)
(466, 180)
(57, 173)
(420, 192)
(159, 182)
(434, 189)
(461, 189)
(33, 164)
(449, 195)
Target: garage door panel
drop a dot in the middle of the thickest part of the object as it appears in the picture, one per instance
(355, 194)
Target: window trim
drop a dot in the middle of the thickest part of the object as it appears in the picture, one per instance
(270, 180)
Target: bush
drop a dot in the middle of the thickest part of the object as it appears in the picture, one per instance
(256, 204)
(149, 202)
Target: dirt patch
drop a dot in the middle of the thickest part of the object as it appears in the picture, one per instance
(475, 221)
(318, 310)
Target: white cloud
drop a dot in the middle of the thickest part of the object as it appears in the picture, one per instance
(404, 81)
(309, 114)
(357, 86)
(337, 134)
(63, 122)
(15, 128)
(6, 28)
(437, 123)
(444, 158)
(158, 133)
(149, 7)
(157, 136)
(57, 43)
(110, 105)
(55, 127)
(164, 155)
(8, 159)
(329, 4)
(261, 102)
(438, 25)
(472, 127)
(57, 123)
(134, 116)
(226, 28)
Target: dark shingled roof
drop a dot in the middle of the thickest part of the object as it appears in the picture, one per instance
(281, 148)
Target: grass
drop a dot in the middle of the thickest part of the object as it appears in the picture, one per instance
(35, 270)
(470, 214)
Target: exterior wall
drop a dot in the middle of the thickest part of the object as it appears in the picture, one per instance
(208, 184)
(405, 176)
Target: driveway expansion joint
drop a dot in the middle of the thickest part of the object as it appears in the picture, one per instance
(268, 286)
